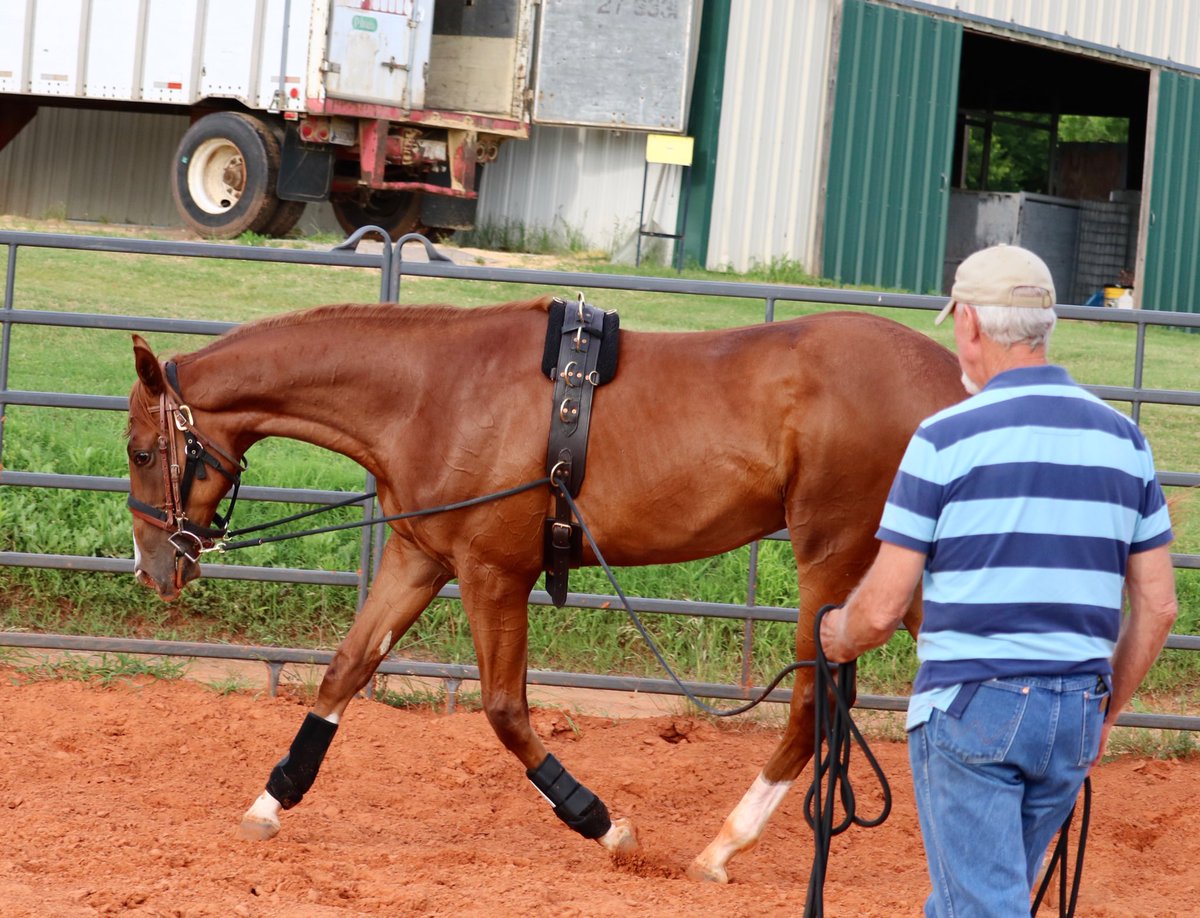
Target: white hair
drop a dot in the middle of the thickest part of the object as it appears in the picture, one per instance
(1009, 325)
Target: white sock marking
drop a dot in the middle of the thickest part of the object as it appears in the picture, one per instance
(743, 827)
(750, 816)
(265, 809)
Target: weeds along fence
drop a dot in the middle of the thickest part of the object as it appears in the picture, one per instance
(391, 266)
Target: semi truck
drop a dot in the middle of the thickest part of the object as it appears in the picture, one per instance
(385, 108)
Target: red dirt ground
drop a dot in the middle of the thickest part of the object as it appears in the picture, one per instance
(126, 800)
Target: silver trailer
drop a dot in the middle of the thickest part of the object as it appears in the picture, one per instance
(386, 108)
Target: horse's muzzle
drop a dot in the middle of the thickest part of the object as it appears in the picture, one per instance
(182, 572)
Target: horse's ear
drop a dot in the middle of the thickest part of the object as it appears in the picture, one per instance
(149, 370)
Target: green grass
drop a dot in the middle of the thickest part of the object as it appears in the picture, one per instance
(515, 236)
(95, 524)
(104, 670)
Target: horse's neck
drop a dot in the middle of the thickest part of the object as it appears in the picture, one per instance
(318, 385)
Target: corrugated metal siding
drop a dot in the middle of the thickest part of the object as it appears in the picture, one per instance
(111, 167)
(1164, 29)
(579, 183)
(114, 167)
(890, 148)
(92, 165)
(1171, 276)
(767, 195)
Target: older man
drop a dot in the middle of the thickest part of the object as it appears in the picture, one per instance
(1026, 510)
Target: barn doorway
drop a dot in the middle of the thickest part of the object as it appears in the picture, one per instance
(1049, 153)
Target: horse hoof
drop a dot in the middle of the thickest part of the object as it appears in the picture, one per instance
(621, 837)
(704, 873)
(261, 821)
(253, 829)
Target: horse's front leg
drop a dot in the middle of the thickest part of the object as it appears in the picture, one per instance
(407, 582)
(497, 606)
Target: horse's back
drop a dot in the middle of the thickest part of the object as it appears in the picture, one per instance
(722, 434)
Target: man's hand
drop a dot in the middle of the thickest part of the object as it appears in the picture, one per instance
(833, 637)
(876, 607)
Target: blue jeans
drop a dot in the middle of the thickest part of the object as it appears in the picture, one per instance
(994, 785)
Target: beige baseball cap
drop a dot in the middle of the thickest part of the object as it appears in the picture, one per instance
(1003, 275)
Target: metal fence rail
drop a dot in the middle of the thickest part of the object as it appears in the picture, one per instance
(389, 262)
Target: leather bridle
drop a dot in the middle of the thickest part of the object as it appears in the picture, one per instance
(189, 539)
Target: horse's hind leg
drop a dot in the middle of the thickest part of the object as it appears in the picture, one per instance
(829, 581)
(497, 606)
(406, 583)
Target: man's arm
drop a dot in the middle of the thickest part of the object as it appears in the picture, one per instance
(877, 605)
(1150, 583)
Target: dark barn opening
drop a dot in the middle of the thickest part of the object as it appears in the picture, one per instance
(1049, 153)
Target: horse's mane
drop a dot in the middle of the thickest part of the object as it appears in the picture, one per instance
(391, 313)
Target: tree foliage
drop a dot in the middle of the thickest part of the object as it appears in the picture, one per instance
(1019, 156)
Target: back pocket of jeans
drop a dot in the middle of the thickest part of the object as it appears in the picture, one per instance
(1095, 706)
(985, 731)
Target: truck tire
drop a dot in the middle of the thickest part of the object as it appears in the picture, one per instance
(223, 181)
(398, 212)
(283, 221)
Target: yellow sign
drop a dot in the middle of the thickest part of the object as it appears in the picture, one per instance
(669, 149)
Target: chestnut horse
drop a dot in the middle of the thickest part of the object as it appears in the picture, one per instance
(701, 443)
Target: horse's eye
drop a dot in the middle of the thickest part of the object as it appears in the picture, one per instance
(141, 458)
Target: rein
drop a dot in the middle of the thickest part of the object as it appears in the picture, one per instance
(223, 545)
(191, 540)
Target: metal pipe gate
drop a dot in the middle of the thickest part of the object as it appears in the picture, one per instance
(391, 266)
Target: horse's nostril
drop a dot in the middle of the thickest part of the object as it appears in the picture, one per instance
(143, 578)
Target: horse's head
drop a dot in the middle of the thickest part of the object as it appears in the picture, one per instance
(178, 474)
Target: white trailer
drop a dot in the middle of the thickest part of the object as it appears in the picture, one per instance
(386, 108)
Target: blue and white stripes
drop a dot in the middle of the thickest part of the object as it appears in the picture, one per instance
(1027, 500)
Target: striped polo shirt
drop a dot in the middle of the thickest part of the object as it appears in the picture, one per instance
(1027, 501)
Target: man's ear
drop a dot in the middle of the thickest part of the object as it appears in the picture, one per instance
(970, 321)
(149, 370)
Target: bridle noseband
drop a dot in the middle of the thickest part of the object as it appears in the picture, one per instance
(189, 539)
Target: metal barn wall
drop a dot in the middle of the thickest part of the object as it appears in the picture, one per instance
(768, 186)
(113, 167)
(103, 166)
(92, 165)
(1170, 277)
(891, 144)
(1168, 30)
(579, 183)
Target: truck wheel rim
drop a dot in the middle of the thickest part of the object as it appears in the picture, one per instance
(216, 176)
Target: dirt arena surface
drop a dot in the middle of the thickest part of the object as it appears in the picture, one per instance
(126, 799)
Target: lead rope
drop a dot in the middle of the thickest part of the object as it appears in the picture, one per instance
(1058, 860)
(641, 628)
(835, 732)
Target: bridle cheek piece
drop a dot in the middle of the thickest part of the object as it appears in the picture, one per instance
(189, 539)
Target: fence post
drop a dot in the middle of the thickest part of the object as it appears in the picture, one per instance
(6, 339)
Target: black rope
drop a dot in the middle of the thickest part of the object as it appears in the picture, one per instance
(834, 731)
(224, 546)
(637, 623)
(304, 515)
(1058, 860)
